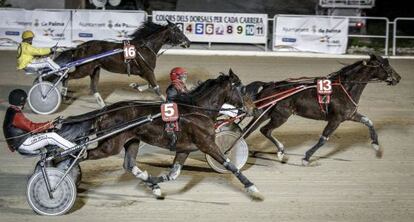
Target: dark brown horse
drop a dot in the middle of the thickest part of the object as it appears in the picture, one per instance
(148, 40)
(342, 107)
(198, 111)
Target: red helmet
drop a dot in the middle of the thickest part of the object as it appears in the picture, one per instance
(178, 73)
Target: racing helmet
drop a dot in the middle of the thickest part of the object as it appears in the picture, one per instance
(178, 73)
(27, 34)
(17, 97)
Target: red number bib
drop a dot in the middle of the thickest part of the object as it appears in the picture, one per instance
(129, 51)
(169, 112)
(324, 86)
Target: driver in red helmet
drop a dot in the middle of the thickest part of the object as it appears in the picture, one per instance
(178, 77)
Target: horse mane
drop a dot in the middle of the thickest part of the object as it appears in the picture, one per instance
(146, 29)
(194, 94)
(345, 70)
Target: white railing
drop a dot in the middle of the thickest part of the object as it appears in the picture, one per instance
(395, 37)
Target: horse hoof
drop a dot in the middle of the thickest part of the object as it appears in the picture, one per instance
(157, 193)
(99, 100)
(378, 149)
(282, 157)
(305, 162)
(254, 193)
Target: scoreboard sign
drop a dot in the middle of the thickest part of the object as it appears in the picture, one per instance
(217, 27)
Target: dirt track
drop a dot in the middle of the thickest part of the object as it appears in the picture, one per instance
(347, 183)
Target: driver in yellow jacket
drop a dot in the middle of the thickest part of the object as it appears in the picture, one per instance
(28, 56)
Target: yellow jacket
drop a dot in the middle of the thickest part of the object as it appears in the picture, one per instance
(26, 53)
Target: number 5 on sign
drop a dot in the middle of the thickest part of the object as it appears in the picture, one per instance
(129, 52)
(169, 112)
(324, 86)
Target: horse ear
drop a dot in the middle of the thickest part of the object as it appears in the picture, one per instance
(231, 72)
(372, 56)
(168, 22)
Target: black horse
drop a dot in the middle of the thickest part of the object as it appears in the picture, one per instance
(198, 111)
(148, 40)
(350, 83)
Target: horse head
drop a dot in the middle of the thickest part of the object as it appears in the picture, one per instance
(237, 94)
(176, 36)
(384, 71)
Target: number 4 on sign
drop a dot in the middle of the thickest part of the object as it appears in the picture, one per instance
(169, 112)
(129, 52)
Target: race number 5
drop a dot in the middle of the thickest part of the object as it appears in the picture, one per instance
(169, 112)
(324, 86)
(129, 52)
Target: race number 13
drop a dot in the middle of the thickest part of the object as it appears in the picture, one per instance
(324, 86)
(129, 52)
(169, 112)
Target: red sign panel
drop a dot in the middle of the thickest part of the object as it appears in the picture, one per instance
(129, 51)
(324, 86)
(169, 112)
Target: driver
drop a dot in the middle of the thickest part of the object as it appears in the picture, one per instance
(20, 132)
(28, 56)
(178, 77)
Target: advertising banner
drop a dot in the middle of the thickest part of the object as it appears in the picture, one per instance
(105, 25)
(51, 27)
(217, 27)
(311, 34)
(12, 24)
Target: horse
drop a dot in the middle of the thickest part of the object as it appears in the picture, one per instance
(147, 39)
(347, 84)
(198, 111)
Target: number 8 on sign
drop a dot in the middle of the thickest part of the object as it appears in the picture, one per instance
(169, 112)
(324, 86)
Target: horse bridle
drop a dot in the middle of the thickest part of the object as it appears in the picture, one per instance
(389, 79)
(240, 87)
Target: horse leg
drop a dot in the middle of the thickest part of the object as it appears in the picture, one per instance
(275, 122)
(329, 129)
(374, 137)
(94, 86)
(131, 152)
(211, 148)
(64, 90)
(150, 77)
(174, 171)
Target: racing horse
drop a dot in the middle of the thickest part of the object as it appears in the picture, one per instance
(347, 85)
(198, 110)
(147, 39)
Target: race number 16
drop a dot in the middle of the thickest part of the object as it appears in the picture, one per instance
(324, 86)
(129, 52)
(169, 112)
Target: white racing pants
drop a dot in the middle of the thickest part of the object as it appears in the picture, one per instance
(38, 141)
(42, 63)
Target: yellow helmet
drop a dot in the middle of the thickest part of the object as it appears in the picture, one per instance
(27, 34)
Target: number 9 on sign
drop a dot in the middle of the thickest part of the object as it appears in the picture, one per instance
(169, 112)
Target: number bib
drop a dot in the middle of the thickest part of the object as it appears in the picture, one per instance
(169, 112)
(324, 86)
(129, 51)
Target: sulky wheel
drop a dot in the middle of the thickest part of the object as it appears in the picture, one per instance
(64, 195)
(238, 155)
(44, 98)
